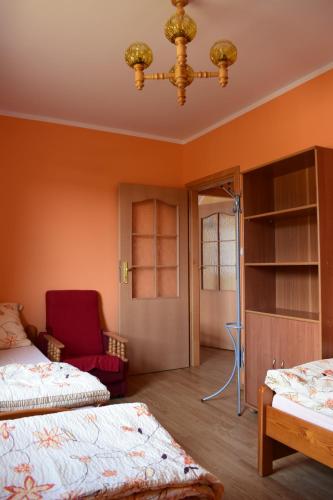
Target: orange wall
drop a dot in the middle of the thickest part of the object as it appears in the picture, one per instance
(58, 208)
(301, 118)
(58, 188)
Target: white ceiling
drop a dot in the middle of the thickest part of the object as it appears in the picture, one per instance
(63, 59)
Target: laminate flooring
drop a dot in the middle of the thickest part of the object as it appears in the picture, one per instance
(218, 439)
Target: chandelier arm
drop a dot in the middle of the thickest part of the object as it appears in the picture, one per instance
(206, 74)
(223, 74)
(158, 76)
(139, 76)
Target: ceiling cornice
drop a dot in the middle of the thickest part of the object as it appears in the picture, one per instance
(142, 135)
(260, 102)
(90, 126)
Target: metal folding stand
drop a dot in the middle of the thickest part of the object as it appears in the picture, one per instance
(237, 325)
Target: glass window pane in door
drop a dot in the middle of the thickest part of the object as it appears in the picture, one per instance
(228, 253)
(227, 227)
(143, 284)
(143, 251)
(210, 278)
(228, 278)
(167, 254)
(210, 228)
(210, 256)
(166, 219)
(167, 285)
(143, 217)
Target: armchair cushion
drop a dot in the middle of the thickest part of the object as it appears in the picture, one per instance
(12, 333)
(102, 362)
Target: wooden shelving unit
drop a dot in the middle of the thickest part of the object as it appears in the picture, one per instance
(288, 247)
(288, 313)
(276, 264)
(287, 212)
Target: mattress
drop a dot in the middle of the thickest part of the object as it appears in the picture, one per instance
(27, 354)
(118, 451)
(288, 406)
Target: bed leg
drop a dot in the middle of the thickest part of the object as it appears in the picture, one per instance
(265, 443)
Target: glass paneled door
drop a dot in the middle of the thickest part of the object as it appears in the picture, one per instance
(154, 277)
(218, 272)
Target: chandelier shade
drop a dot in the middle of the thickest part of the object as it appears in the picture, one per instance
(180, 30)
(180, 26)
(139, 53)
(223, 51)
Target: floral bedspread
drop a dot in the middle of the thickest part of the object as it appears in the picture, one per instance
(44, 385)
(310, 385)
(118, 451)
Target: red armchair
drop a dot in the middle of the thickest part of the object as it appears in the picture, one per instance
(74, 335)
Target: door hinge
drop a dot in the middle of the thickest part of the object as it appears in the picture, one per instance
(243, 357)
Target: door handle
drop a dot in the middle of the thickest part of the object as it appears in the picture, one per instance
(282, 364)
(124, 270)
(274, 363)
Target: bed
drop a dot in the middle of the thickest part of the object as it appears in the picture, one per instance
(25, 354)
(47, 386)
(296, 414)
(118, 451)
(30, 384)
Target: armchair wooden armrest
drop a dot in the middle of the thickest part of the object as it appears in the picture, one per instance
(116, 345)
(53, 348)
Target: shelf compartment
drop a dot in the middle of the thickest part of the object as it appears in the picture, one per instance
(283, 239)
(288, 313)
(277, 264)
(272, 288)
(303, 210)
(285, 184)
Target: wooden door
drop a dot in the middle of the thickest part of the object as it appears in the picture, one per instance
(218, 271)
(154, 308)
(276, 342)
(299, 342)
(262, 346)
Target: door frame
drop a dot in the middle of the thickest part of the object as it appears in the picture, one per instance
(209, 185)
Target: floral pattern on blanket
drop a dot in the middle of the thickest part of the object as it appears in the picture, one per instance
(43, 385)
(310, 385)
(109, 452)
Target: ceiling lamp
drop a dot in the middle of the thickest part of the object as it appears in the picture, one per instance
(180, 29)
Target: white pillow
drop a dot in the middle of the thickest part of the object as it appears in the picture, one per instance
(12, 333)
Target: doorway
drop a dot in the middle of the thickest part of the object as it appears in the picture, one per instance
(211, 260)
(217, 255)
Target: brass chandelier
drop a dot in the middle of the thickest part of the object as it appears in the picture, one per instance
(180, 29)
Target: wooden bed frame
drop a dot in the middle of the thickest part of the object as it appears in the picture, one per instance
(281, 434)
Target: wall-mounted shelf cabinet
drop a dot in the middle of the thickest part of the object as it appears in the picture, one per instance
(288, 263)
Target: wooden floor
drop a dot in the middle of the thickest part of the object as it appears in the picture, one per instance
(218, 439)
